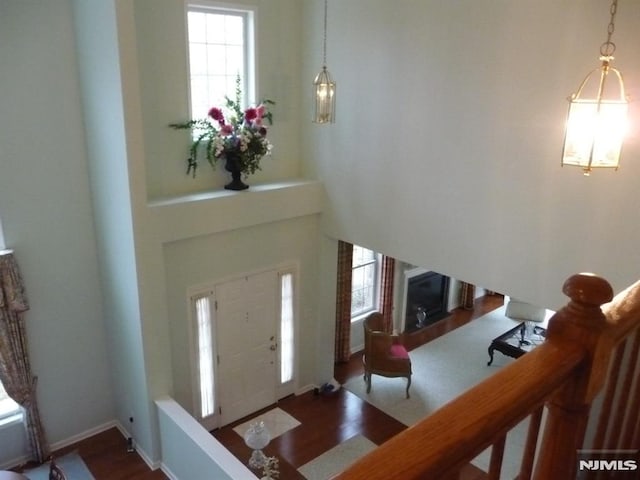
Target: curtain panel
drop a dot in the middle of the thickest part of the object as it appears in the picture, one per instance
(343, 302)
(467, 295)
(15, 369)
(386, 291)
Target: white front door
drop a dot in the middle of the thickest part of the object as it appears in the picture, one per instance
(247, 344)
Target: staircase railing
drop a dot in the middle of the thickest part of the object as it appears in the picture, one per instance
(583, 352)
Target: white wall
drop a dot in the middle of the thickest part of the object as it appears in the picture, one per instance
(189, 452)
(446, 151)
(48, 220)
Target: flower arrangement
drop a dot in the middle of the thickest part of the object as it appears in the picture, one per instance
(231, 133)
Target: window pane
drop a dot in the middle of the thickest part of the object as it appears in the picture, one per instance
(205, 357)
(362, 255)
(197, 27)
(357, 301)
(215, 28)
(362, 300)
(200, 103)
(357, 279)
(217, 86)
(357, 256)
(364, 281)
(235, 61)
(234, 30)
(217, 50)
(198, 59)
(7, 406)
(286, 327)
(231, 87)
(217, 59)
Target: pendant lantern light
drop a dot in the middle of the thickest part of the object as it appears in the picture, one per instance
(597, 123)
(324, 88)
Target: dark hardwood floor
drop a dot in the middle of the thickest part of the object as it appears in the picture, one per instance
(106, 457)
(326, 421)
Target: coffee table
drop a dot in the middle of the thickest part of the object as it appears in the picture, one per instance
(514, 342)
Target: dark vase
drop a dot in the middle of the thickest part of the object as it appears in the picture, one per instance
(232, 165)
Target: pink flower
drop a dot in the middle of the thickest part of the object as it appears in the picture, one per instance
(216, 114)
(260, 109)
(250, 114)
(226, 129)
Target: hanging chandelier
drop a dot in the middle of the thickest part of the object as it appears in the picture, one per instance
(597, 117)
(324, 89)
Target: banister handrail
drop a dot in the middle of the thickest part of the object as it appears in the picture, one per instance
(564, 373)
(434, 448)
(623, 313)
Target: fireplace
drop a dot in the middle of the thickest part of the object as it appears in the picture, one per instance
(426, 298)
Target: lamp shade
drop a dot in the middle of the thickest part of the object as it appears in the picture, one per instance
(596, 126)
(594, 134)
(324, 97)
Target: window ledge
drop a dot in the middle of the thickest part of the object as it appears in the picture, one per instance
(214, 195)
(361, 317)
(188, 216)
(11, 419)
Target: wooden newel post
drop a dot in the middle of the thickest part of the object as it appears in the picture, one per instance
(578, 325)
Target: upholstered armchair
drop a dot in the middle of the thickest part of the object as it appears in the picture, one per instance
(384, 354)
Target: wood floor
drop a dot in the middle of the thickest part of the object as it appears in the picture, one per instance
(106, 457)
(326, 421)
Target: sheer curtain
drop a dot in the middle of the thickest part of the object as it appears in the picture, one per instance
(343, 302)
(15, 370)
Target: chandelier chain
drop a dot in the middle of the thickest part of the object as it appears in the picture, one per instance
(608, 47)
(324, 38)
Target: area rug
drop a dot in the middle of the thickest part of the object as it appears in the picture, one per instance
(276, 420)
(442, 370)
(72, 465)
(337, 459)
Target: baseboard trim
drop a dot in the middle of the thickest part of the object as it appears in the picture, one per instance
(140, 451)
(305, 389)
(83, 435)
(167, 471)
